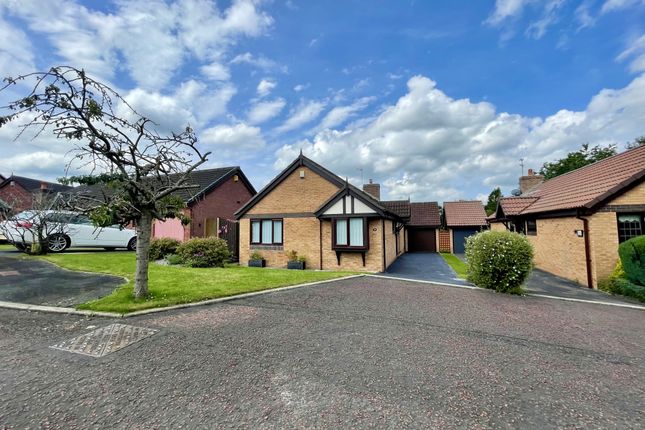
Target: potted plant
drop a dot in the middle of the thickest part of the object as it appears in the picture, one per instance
(295, 262)
(257, 260)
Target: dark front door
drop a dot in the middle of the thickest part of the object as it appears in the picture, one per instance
(459, 237)
(422, 240)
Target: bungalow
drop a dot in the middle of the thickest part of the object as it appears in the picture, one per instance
(463, 219)
(331, 223)
(577, 220)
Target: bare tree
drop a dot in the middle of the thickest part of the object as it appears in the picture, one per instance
(123, 151)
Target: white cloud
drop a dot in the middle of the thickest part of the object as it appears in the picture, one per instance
(216, 72)
(266, 86)
(636, 51)
(306, 112)
(239, 140)
(614, 5)
(431, 146)
(263, 111)
(538, 28)
(505, 9)
(261, 62)
(16, 51)
(300, 87)
(584, 17)
(340, 114)
(149, 39)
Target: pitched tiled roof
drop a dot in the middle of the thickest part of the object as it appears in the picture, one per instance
(203, 181)
(589, 185)
(398, 207)
(32, 185)
(515, 205)
(464, 213)
(425, 214)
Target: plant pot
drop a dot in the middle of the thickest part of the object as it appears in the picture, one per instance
(257, 263)
(296, 265)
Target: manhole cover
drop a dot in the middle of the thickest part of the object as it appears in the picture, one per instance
(105, 340)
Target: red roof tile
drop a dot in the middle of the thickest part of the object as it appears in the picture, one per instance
(398, 207)
(464, 213)
(515, 205)
(589, 185)
(425, 214)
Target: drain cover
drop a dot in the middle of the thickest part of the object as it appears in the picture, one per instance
(102, 341)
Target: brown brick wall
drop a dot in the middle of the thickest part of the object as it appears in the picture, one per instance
(352, 260)
(222, 202)
(295, 195)
(558, 250)
(17, 197)
(390, 243)
(635, 196)
(497, 226)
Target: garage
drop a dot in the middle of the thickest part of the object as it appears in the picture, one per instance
(422, 240)
(459, 237)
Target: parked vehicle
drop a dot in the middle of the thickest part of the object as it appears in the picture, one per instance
(64, 230)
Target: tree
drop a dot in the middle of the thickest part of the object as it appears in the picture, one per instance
(137, 167)
(493, 198)
(639, 141)
(577, 159)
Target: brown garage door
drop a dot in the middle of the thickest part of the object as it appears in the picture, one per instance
(422, 240)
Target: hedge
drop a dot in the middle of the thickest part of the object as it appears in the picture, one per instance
(204, 252)
(162, 247)
(499, 260)
(632, 256)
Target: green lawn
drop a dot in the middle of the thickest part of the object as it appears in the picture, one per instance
(7, 247)
(171, 285)
(457, 265)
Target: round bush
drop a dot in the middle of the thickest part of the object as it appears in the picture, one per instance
(207, 252)
(162, 247)
(499, 260)
(632, 256)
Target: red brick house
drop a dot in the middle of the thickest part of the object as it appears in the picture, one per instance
(17, 192)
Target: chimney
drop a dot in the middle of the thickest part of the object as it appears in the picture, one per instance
(373, 189)
(530, 181)
(43, 186)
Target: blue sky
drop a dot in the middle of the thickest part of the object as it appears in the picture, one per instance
(434, 100)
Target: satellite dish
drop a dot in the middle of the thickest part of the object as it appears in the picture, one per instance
(516, 192)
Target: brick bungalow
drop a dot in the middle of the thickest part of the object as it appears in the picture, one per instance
(17, 193)
(577, 220)
(463, 219)
(333, 224)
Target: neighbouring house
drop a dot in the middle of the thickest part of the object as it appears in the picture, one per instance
(210, 205)
(463, 219)
(18, 193)
(577, 220)
(330, 222)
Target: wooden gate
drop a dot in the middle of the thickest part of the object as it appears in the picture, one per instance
(229, 230)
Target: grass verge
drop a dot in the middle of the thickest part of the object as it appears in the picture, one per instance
(460, 268)
(172, 285)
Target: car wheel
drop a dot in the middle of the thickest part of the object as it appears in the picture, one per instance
(132, 244)
(57, 243)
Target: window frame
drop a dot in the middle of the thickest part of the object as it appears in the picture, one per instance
(529, 231)
(261, 222)
(349, 247)
(641, 215)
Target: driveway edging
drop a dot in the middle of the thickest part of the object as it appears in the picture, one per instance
(71, 311)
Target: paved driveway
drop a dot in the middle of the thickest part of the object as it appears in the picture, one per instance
(424, 266)
(33, 281)
(366, 352)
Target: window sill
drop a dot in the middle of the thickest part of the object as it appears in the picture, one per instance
(267, 247)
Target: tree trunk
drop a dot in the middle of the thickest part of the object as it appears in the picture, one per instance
(144, 231)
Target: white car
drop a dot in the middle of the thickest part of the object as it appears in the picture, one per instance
(64, 230)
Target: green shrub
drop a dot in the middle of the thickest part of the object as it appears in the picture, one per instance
(623, 287)
(499, 260)
(173, 259)
(160, 248)
(632, 256)
(256, 256)
(204, 252)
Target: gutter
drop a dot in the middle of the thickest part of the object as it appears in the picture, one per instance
(585, 232)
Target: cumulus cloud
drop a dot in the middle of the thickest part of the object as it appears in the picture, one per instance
(149, 39)
(266, 86)
(233, 141)
(263, 111)
(431, 146)
(304, 113)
